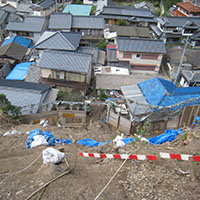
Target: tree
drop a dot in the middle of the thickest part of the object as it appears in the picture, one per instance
(122, 22)
(102, 44)
(8, 108)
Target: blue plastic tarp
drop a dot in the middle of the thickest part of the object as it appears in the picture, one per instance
(18, 40)
(66, 141)
(19, 72)
(48, 136)
(88, 142)
(168, 136)
(128, 140)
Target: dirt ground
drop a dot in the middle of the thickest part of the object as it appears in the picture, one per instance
(163, 179)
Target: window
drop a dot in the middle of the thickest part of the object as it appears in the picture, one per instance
(127, 55)
(138, 55)
(57, 75)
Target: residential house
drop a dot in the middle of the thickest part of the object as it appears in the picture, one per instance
(91, 28)
(190, 78)
(114, 31)
(68, 71)
(7, 13)
(51, 40)
(162, 102)
(98, 56)
(142, 54)
(31, 27)
(28, 96)
(102, 3)
(44, 8)
(134, 16)
(12, 51)
(60, 22)
(190, 61)
(176, 28)
(185, 9)
(78, 9)
(144, 4)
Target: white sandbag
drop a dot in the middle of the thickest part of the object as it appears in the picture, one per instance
(119, 141)
(42, 121)
(39, 140)
(51, 155)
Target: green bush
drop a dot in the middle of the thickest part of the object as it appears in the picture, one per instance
(102, 95)
(8, 108)
(122, 22)
(102, 44)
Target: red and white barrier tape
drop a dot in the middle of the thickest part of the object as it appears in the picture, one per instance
(141, 157)
(179, 156)
(119, 156)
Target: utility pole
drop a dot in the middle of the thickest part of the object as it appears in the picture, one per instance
(56, 6)
(181, 61)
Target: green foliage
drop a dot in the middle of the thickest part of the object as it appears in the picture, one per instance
(141, 129)
(93, 10)
(8, 108)
(60, 96)
(157, 12)
(184, 137)
(122, 22)
(78, 2)
(157, 4)
(102, 44)
(102, 95)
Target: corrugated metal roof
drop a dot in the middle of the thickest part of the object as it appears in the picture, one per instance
(30, 23)
(3, 16)
(65, 61)
(19, 72)
(88, 22)
(112, 55)
(78, 9)
(46, 3)
(133, 95)
(141, 45)
(59, 41)
(60, 21)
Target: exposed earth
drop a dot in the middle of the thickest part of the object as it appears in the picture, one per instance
(164, 179)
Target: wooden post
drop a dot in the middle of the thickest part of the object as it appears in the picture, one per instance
(192, 173)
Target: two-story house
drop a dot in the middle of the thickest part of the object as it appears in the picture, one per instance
(134, 16)
(31, 27)
(185, 9)
(142, 54)
(68, 71)
(91, 28)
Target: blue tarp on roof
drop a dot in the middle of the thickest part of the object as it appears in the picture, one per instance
(19, 72)
(18, 40)
(78, 9)
(160, 92)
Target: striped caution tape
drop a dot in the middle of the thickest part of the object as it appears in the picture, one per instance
(180, 156)
(141, 157)
(119, 156)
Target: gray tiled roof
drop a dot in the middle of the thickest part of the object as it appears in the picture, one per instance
(30, 23)
(181, 21)
(91, 50)
(33, 74)
(46, 3)
(128, 11)
(191, 76)
(65, 61)
(60, 21)
(60, 41)
(141, 45)
(88, 22)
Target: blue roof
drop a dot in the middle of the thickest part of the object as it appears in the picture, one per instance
(78, 9)
(160, 92)
(19, 72)
(18, 40)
